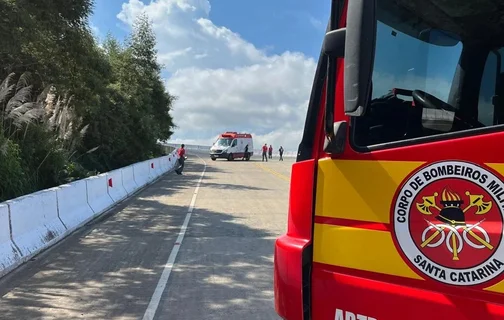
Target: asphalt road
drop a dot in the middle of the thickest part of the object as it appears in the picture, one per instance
(140, 261)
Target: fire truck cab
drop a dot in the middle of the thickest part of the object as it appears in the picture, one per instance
(397, 194)
(232, 145)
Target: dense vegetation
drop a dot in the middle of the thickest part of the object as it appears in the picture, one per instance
(70, 106)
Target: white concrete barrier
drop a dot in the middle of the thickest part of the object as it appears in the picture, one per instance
(141, 173)
(73, 205)
(171, 161)
(159, 169)
(98, 196)
(164, 164)
(153, 172)
(115, 186)
(9, 254)
(34, 221)
(128, 179)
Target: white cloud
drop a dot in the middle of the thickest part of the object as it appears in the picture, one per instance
(187, 38)
(223, 82)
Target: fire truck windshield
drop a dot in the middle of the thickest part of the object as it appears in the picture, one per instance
(405, 62)
(431, 75)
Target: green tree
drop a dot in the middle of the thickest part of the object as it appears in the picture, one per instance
(77, 107)
(157, 100)
(136, 112)
(40, 133)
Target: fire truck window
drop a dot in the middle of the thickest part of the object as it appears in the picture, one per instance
(427, 72)
(488, 90)
(404, 62)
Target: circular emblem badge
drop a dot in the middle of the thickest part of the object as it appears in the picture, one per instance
(448, 222)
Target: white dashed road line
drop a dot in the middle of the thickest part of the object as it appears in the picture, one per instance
(156, 297)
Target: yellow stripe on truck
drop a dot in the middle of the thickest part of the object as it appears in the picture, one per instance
(359, 189)
(362, 190)
(498, 287)
(361, 249)
(499, 167)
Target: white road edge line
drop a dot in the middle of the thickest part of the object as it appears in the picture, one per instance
(156, 297)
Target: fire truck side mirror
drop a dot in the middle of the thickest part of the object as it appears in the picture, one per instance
(334, 43)
(334, 144)
(360, 39)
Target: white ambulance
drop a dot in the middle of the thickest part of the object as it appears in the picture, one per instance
(232, 145)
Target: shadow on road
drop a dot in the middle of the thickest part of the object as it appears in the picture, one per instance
(110, 268)
(235, 160)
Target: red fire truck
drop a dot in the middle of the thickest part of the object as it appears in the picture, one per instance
(397, 195)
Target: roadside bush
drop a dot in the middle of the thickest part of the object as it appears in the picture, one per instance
(69, 106)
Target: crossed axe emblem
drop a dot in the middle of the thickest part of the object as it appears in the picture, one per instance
(482, 207)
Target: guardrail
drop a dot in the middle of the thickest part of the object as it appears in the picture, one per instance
(201, 148)
(190, 147)
(34, 222)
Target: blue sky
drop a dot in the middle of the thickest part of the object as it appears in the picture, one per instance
(249, 65)
(276, 26)
(234, 65)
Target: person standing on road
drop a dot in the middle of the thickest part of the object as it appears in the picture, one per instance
(280, 152)
(245, 154)
(270, 151)
(264, 152)
(181, 160)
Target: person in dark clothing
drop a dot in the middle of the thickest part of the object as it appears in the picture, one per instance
(280, 152)
(270, 152)
(181, 160)
(245, 154)
(265, 152)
